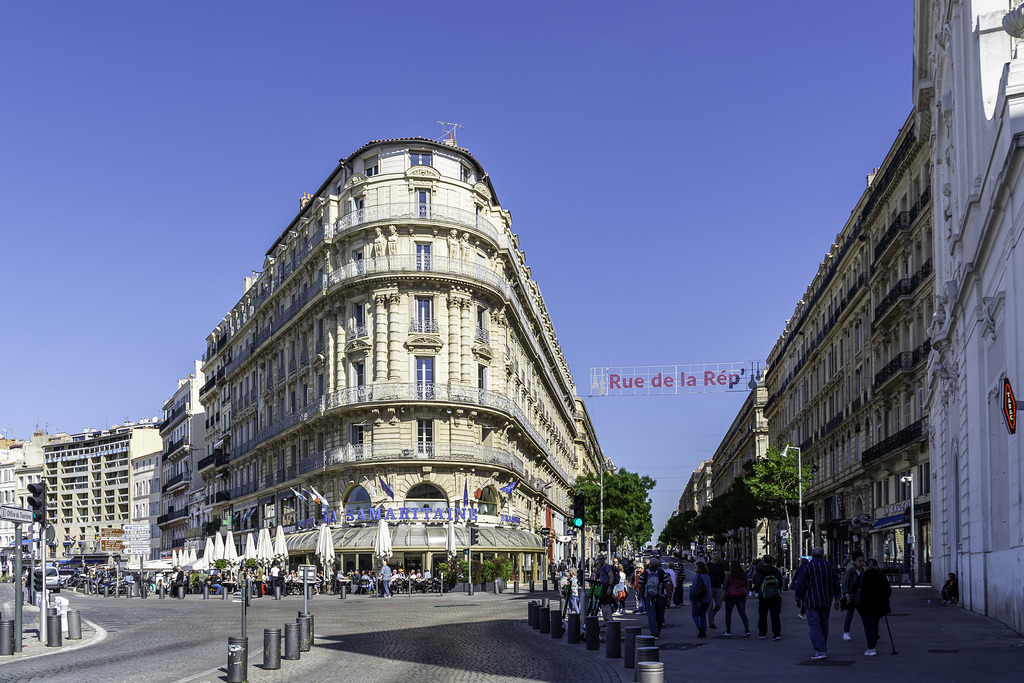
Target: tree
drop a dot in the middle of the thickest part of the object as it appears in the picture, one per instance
(627, 504)
(775, 481)
(677, 530)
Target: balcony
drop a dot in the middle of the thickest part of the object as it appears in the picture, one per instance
(901, 223)
(173, 448)
(357, 331)
(207, 462)
(424, 325)
(483, 336)
(900, 291)
(222, 496)
(435, 213)
(898, 440)
(172, 516)
(902, 362)
(173, 418)
(378, 452)
(175, 482)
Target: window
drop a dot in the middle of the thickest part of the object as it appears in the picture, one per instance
(371, 166)
(481, 377)
(419, 158)
(426, 496)
(422, 256)
(464, 174)
(424, 438)
(358, 320)
(488, 502)
(424, 321)
(424, 377)
(359, 374)
(357, 498)
(423, 203)
(320, 384)
(355, 435)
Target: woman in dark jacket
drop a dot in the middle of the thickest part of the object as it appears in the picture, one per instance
(871, 594)
(735, 595)
(700, 599)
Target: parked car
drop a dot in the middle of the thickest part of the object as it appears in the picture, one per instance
(52, 578)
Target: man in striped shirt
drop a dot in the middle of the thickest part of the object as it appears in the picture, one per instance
(818, 590)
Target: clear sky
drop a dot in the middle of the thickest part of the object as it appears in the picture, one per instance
(675, 171)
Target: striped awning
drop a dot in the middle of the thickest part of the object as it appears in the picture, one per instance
(416, 537)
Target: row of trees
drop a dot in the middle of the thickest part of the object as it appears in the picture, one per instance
(627, 505)
(767, 490)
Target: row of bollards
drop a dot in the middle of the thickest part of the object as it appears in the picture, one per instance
(54, 629)
(298, 638)
(639, 654)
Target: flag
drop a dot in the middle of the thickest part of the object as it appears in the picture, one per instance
(312, 496)
(371, 488)
(299, 495)
(465, 495)
(387, 489)
(508, 488)
(320, 498)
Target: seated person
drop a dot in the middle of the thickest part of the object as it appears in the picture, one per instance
(951, 590)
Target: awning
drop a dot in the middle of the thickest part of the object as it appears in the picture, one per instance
(889, 521)
(413, 538)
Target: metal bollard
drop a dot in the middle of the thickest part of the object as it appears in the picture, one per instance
(556, 623)
(206, 591)
(515, 587)
(495, 586)
(277, 592)
(53, 630)
(342, 591)
(531, 613)
(531, 585)
(223, 593)
(651, 672)
(545, 589)
(106, 590)
(312, 624)
(644, 654)
(304, 636)
(74, 624)
(271, 648)
(573, 626)
(630, 655)
(613, 640)
(593, 630)
(291, 641)
(545, 621)
(181, 592)
(7, 637)
(143, 591)
(163, 591)
(238, 659)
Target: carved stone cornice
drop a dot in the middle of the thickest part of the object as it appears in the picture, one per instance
(358, 345)
(424, 341)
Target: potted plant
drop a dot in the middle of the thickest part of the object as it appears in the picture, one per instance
(220, 564)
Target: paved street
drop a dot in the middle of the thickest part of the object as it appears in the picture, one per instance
(486, 638)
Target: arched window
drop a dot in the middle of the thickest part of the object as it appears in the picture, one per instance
(357, 498)
(426, 496)
(488, 502)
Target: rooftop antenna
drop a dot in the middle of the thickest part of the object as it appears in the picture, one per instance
(448, 132)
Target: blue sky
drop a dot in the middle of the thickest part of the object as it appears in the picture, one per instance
(675, 171)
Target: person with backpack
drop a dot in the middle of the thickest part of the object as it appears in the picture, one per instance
(655, 585)
(818, 589)
(768, 584)
(700, 599)
(872, 592)
(854, 568)
(735, 595)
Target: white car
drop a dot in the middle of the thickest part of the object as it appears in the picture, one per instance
(52, 578)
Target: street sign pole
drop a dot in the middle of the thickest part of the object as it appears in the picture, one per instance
(18, 588)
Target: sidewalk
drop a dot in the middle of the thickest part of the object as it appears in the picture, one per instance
(934, 642)
(30, 644)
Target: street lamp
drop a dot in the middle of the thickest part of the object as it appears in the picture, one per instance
(912, 537)
(800, 494)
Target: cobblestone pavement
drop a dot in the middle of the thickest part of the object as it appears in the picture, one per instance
(453, 637)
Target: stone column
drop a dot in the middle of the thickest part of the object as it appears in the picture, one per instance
(394, 337)
(453, 339)
(468, 331)
(380, 345)
(336, 355)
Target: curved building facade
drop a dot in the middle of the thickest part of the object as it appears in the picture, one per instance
(395, 355)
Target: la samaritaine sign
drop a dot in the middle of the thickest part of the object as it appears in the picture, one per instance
(403, 514)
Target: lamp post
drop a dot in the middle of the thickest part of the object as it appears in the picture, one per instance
(912, 536)
(800, 496)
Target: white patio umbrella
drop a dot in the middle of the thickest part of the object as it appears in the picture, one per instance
(218, 547)
(280, 547)
(175, 558)
(250, 547)
(230, 553)
(191, 559)
(449, 541)
(264, 547)
(382, 542)
(325, 547)
(206, 561)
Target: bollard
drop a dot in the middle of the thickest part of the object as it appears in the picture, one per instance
(342, 591)
(7, 637)
(573, 626)
(304, 637)
(271, 648)
(163, 590)
(644, 654)
(556, 623)
(531, 585)
(74, 624)
(181, 592)
(206, 591)
(53, 632)
(545, 588)
(545, 621)
(312, 624)
(531, 613)
(630, 655)
(223, 593)
(238, 659)
(277, 592)
(291, 641)
(515, 587)
(106, 590)
(143, 591)
(495, 586)
(592, 627)
(651, 672)
(613, 640)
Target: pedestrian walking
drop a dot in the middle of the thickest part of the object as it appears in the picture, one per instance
(818, 589)
(871, 593)
(735, 596)
(639, 580)
(606, 577)
(700, 599)
(385, 579)
(716, 572)
(854, 568)
(655, 586)
(768, 584)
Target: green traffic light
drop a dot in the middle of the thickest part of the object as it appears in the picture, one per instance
(577, 522)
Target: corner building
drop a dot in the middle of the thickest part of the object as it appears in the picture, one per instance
(394, 353)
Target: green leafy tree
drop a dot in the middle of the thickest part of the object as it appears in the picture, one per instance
(627, 504)
(775, 481)
(678, 529)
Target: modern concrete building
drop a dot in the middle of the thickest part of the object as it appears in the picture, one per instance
(89, 477)
(21, 464)
(395, 353)
(846, 380)
(969, 84)
(182, 497)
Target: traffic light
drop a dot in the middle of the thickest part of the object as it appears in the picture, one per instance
(579, 504)
(37, 581)
(37, 501)
(474, 536)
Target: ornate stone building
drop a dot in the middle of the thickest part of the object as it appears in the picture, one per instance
(846, 380)
(395, 353)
